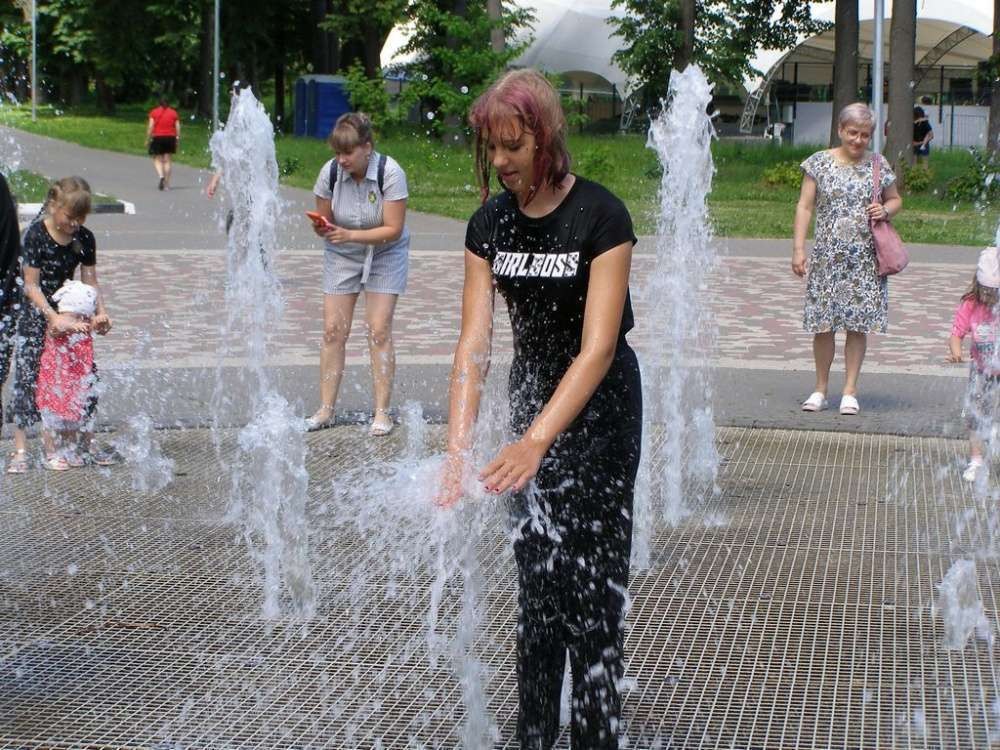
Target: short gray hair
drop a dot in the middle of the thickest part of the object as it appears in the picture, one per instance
(858, 114)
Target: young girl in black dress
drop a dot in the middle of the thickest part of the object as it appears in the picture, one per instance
(53, 248)
(558, 248)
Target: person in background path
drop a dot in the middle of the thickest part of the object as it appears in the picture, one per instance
(923, 134)
(975, 316)
(54, 246)
(362, 195)
(558, 248)
(163, 132)
(10, 273)
(843, 289)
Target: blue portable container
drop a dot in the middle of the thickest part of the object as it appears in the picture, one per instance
(319, 101)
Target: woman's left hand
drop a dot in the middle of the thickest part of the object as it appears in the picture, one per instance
(101, 323)
(339, 234)
(513, 468)
(877, 212)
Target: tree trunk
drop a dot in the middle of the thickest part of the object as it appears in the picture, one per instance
(993, 133)
(902, 48)
(279, 97)
(496, 32)
(206, 58)
(685, 53)
(105, 97)
(373, 51)
(321, 57)
(845, 61)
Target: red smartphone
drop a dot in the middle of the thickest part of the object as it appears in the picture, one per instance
(319, 221)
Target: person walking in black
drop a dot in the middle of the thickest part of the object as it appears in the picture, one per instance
(558, 248)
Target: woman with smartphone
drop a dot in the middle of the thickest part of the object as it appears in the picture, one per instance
(361, 206)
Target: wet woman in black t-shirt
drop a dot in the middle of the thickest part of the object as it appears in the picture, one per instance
(559, 250)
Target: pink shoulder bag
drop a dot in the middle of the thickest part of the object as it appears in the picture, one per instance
(890, 254)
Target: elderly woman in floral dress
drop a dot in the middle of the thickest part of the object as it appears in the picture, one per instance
(843, 288)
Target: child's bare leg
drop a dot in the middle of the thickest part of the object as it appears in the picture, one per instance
(20, 440)
(49, 442)
(975, 446)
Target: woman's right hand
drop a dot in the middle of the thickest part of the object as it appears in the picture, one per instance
(62, 324)
(954, 358)
(799, 262)
(452, 478)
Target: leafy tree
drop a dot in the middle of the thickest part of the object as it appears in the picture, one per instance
(455, 61)
(845, 61)
(361, 27)
(993, 71)
(726, 35)
(902, 51)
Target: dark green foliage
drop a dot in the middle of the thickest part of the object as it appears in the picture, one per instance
(980, 182)
(787, 174)
(917, 178)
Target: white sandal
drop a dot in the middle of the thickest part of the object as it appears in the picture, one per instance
(815, 402)
(382, 424)
(849, 406)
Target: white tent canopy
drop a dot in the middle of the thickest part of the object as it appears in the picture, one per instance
(570, 36)
(937, 20)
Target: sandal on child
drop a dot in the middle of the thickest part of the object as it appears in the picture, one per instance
(972, 470)
(73, 459)
(816, 402)
(55, 462)
(849, 406)
(381, 424)
(18, 463)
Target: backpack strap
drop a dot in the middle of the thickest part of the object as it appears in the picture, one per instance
(381, 173)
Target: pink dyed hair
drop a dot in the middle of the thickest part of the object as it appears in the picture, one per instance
(522, 100)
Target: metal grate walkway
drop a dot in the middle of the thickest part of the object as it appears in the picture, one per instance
(792, 612)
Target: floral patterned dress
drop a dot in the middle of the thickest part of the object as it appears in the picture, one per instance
(843, 289)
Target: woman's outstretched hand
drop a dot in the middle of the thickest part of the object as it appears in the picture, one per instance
(515, 466)
(101, 323)
(338, 234)
(452, 476)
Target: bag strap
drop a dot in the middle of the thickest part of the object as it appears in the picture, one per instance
(876, 177)
(382, 159)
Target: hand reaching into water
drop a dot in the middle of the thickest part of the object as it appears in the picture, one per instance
(63, 324)
(452, 476)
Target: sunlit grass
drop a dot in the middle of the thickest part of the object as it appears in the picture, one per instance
(442, 181)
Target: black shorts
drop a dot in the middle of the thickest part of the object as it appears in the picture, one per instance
(163, 144)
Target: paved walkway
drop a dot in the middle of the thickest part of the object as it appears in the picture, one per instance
(162, 272)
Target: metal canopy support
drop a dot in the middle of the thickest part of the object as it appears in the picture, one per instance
(939, 50)
(878, 75)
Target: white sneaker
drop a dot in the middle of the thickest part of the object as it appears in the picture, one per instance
(975, 464)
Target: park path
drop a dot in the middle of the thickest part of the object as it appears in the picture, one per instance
(162, 272)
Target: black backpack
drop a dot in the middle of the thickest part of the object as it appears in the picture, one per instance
(381, 174)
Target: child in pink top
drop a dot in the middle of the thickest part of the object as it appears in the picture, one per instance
(975, 316)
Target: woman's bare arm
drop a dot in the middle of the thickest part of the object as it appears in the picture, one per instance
(393, 217)
(468, 372)
(803, 215)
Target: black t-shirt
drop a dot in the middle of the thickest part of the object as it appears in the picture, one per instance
(57, 263)
(920, 130)
(542, 268)
(10, 248)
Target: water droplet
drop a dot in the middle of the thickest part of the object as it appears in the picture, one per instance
(464, 89)
(430, 115)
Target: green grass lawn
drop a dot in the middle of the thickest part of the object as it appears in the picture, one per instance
(442, 180)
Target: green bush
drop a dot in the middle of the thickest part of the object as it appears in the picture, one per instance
(786, 174)
(368, 95)
(595, 163)
(979, 182)
(289, 165)
(917, 178)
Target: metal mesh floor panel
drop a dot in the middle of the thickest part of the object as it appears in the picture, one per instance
(792, 610)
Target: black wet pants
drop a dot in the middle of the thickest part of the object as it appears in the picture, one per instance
(572, 542)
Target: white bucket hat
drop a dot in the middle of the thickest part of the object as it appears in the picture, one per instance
(76, 297)
(988, 270)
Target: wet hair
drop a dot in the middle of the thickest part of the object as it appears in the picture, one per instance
(984, 295)
(70, 193)
(856, 114)
(522, 100)
(918, 112)
(350, 131)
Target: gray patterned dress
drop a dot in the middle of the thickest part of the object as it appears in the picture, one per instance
(843, 289)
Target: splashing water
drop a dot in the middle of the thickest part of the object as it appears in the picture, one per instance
(677, 387)
(960, 606)
(151, 471)
(269, 480)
